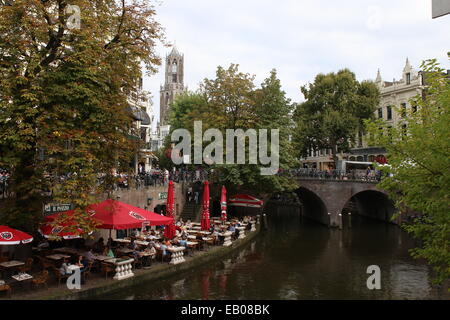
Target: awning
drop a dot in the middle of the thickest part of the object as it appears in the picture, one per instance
(245, 200)
(140, 115)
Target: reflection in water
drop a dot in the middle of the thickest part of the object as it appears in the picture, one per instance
(298, 259)
(409, 281)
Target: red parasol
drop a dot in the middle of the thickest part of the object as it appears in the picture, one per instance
(205, 215)
(51, 231)
(9, 236)
(170, 231)
(117, 215)
(223, 204)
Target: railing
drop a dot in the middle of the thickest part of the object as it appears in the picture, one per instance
(158, 179)
(371, 176)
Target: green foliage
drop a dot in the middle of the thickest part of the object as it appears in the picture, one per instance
(63, 99)
(335, 107)
(231, 101)
(419, 167)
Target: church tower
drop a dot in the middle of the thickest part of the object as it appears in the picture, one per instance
(174, 83)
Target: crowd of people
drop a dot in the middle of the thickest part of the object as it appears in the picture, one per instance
(159, 177)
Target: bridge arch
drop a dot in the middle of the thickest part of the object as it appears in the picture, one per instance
(325, 199)
(372, 204)
(314, 206)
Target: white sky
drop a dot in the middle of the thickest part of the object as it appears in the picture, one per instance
(300, 38)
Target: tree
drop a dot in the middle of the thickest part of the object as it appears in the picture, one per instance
(418, 174)
(335, 108)
(63, 98)
(231, 101)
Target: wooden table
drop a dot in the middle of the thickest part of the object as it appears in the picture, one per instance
(9, 266)
(125, 250)
(192, 245)
(58, 256)
(122, 240)
(102, 258)
(12, 264)
(68, 250)
(22, 278)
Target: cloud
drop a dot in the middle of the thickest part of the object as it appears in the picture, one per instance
(300, 38)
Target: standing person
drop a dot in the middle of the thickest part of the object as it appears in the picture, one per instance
(197, 175)
(166, 177)
(196, 196)
(189, 194)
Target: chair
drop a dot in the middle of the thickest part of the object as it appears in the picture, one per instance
(58, 275)
(107, 268)
(138, 263)
(45, 263)
(87, 272)
(27, 267)
(4, 259)
(41, 279)
(6, 288)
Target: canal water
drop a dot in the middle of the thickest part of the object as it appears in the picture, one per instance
(296, 259)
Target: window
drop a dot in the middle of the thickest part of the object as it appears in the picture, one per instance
(403, 110)
(408, 78)
(174, 77)
(380, 113)
(389, 113)
(404, 131)
(174, 66)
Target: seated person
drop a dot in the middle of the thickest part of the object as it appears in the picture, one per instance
(151, 249)
(183, 241)
(82, 263)
(64, 269)
(163, 248)
(133, 245)
(108, 252)
(89, 255)
(176, 241)
(99, 246)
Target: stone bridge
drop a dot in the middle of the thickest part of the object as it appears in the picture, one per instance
(324, 200)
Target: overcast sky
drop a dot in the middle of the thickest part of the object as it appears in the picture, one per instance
(300, 38)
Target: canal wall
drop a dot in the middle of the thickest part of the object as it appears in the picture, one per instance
(156, 273)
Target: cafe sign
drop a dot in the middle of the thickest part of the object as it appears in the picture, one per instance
(51, 208)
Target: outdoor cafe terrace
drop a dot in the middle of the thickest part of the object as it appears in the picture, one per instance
(40, 275)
